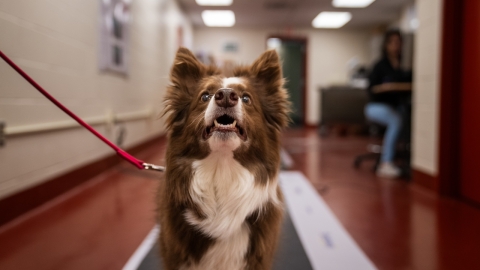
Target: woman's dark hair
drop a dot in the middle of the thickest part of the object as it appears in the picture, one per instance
(386, 38)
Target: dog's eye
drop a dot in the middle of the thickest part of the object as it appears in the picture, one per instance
(205, 97)
(246, 99)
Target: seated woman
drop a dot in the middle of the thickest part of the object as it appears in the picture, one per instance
(389, 84)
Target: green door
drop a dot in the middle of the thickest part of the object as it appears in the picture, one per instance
(291, 53)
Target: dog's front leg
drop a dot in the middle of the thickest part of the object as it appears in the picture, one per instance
(265, 229)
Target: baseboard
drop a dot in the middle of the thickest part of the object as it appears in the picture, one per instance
(19, 203)
(425, 180)
(310, 126)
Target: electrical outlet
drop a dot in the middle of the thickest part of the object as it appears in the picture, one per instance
(2, 133)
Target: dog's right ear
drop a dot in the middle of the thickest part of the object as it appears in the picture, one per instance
(185, 74)
(186, 70)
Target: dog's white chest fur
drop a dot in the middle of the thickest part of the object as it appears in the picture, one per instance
(227, 194)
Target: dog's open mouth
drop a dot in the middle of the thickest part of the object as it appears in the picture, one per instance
(225, 124)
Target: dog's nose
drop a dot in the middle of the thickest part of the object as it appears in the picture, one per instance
(226, 97)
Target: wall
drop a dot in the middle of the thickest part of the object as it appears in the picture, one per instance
(328, 54)
(56, 42)
(427, 86)
(407, 22)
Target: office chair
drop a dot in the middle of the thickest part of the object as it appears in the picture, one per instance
(374, 150)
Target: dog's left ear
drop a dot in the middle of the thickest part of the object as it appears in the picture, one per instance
(267, 71)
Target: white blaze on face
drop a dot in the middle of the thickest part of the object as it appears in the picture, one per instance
(212, 109)
(210, 112)
(232, 80)
(228, 83)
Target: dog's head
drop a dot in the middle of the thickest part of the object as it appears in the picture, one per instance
(208, 111)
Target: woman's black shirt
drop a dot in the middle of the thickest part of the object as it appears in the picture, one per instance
(383, 72)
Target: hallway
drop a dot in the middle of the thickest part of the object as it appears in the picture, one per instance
(99, 224)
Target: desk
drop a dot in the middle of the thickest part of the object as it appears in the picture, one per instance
(342, 105)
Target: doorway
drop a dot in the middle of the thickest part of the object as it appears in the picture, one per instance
(292, 52)
(459, 151)
(470, 100)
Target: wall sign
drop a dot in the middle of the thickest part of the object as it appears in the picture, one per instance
(114, 35)
(230, 46)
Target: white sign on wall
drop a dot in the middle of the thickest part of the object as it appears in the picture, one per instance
(114, 35)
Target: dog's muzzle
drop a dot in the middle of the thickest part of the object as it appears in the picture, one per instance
(225, 120)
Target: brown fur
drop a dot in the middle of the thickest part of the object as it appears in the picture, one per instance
(181, 243)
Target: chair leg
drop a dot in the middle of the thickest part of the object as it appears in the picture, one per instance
(377, 163)
(359, 159)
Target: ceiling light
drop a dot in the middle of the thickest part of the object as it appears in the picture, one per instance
(218, 18)
(214, 2)
(352, 3)
(331, 19)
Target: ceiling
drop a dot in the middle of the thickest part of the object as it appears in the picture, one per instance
(297, 13)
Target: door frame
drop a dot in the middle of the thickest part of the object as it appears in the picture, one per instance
(448, 178)
(303, 40)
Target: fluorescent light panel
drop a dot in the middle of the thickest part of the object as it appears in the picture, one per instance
(352, 3)
(218, 18)
(214, 2)
(331, 19)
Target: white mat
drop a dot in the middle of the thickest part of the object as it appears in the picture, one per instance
(142, 250)
(327, 244)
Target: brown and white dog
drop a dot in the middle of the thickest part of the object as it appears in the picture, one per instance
(220, 206)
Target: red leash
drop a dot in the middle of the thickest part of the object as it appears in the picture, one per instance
(126, 156)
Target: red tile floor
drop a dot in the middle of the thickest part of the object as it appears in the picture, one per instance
(398, 225)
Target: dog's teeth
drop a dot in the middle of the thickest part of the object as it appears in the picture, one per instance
(232, 125)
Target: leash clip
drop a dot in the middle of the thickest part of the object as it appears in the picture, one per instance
(148, 166)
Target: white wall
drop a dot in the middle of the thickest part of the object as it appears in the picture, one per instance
(56, 42)
(252, 42)
(407, 21)
(426, 108)
(328, 54)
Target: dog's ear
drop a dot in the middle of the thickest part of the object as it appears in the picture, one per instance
(186, 70)
(267, 71)
(185, 75)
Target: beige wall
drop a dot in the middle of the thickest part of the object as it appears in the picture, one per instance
(57, 43)
(404, 21)
(427, 86)
(328, 54)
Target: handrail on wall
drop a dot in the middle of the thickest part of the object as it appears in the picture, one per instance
(109, 119)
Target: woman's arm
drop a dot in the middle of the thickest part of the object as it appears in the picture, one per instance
(376, 76)
(394, 86)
